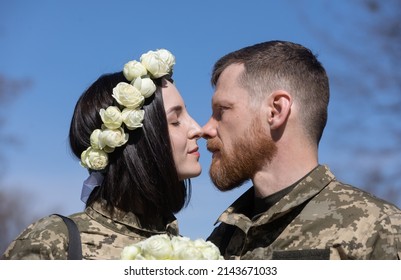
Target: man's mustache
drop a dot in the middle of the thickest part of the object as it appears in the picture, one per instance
(213, 145)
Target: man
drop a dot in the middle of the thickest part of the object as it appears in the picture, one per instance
(269, 112)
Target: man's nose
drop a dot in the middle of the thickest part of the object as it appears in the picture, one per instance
(209, 129)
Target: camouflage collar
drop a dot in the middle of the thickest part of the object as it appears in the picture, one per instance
(306, 188)
(125, 223)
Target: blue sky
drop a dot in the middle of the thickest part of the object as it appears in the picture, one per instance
(63, 46)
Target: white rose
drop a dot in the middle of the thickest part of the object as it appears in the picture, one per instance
(131, 252)
(108, 149)
(133, 118)
(94, 159)
(208, 249)
(94, 139)
(180, 244)
(145, 85)
(111, 117)
(154, 64)
(189, 252)
(127, 95)
(167, 57)
(140, 257)
(133, 69)
(157, 247)
(112, 138)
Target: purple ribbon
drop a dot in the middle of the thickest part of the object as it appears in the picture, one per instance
(94, 180)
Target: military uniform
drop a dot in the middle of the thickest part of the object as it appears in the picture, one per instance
(319, 218)
(102, 236)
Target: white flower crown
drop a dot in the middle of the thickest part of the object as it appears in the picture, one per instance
(131, 97)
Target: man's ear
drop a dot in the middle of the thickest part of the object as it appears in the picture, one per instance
(279, 107)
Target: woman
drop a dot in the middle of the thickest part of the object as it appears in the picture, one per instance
(132, 132)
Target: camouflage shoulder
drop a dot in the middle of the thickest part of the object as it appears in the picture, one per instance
(347, 194)
(46, 238)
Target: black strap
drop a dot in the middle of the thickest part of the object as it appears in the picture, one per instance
(74, 243)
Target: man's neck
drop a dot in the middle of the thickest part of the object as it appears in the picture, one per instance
(284, 170)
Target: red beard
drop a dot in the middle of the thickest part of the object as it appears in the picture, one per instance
(232, 168)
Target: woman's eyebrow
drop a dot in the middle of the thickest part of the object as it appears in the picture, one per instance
(177, 108)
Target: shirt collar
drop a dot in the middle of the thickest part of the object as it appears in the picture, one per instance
(125, 222)
(305, 189)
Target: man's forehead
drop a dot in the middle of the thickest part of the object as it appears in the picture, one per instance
(230, 96)
(230, 74)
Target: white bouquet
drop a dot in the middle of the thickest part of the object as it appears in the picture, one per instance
(163, 247)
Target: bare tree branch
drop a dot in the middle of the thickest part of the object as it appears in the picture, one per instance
(366, 42)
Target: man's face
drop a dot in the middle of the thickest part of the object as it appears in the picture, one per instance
(235, 134)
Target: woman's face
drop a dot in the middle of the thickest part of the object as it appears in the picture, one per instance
(184, 132)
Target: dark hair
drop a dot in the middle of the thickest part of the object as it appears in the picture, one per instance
(141, 176)
(275, 65)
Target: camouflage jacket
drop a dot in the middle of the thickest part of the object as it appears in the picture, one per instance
(320, 218)
(102, 236)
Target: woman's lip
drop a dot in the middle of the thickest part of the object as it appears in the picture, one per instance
(194, 151)
(195, 154)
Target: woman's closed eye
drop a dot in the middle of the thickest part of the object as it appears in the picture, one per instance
(176, 123)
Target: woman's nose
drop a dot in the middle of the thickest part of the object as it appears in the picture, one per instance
(195, 131)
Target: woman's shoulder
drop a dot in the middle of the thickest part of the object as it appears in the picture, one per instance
(46, 228)
(46, 238)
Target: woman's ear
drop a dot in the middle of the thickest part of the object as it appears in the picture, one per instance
(279, 107)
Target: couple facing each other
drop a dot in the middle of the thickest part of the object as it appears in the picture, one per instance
(131, 130)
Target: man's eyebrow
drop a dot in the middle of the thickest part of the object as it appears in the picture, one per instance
(220, 101)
